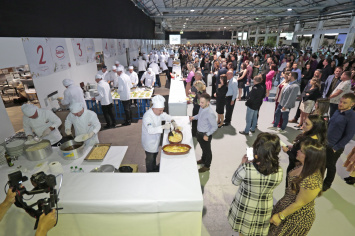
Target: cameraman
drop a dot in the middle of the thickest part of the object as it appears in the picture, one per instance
(46, 222)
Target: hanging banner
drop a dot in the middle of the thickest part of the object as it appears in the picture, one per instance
(38, 56)
(105, 48)
(112, 47)
(79, 49)
(121, 47)
(90, 50)
(60, 55)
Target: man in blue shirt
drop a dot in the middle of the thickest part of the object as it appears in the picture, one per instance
(206, 126)
(299, 72)
(341, 130)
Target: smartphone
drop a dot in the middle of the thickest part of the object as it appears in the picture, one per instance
(283, 144)
(250, 153)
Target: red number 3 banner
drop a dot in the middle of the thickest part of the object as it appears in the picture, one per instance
(38, 56)
(79, 51)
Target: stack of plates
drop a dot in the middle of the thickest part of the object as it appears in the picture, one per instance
(15, 147)
(2, 156)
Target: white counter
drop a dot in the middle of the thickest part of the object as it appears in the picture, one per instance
(172, 194)
(177, 96)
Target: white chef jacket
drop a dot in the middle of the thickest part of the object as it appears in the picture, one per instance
(104, 75)
(124, 87)
(152, 129)
(170, 62)
(155, 68)
(163, 66)
(46, 118)
(111, 76)
(85, 124)
(149, 78)
(134, 78)
(156, 58)
(115, 82)
(142, 65)
(162, 57)
(73, 94)
(104, 91)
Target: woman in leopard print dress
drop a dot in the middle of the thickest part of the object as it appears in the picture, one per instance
(294, 213)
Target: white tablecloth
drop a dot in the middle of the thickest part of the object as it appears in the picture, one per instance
(177, 96)
(175, 190)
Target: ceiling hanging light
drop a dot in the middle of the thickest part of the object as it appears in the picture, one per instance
(289, 9)
(192, 10)
(222, 18)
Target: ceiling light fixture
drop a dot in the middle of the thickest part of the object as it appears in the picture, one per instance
(187, 18)
(289, 9)
(192, 10)
(222, 18)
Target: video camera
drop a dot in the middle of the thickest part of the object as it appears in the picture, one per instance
(42, 184)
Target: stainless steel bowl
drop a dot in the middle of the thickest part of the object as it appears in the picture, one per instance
(38, 154)
(72, 150)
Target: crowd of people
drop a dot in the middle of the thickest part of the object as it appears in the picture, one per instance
(321, 87)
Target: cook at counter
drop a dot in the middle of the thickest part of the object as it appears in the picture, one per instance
(42, 123)
(84, 122)
(73, 93)
(152, 130)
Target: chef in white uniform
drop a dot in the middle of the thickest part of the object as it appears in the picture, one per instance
(72, 94)
(155, 70)
(124, 89)
(112, 76)
(104, 73)
(148, 78)
(133, 76)
(84, 122)
(152, 130)
(41, 122)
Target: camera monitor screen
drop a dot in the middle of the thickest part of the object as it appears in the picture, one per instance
(174, 39)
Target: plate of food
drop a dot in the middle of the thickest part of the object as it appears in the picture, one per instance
(175, 137)
(176, 149)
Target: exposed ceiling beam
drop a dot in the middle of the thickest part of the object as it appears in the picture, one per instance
(221, 8)
(226, 15)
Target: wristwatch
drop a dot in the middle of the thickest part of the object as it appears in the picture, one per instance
(282, 217)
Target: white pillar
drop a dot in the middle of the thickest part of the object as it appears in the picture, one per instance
(242, 36)
(350, 36)
(248, 36)
(297, 28)
(256, 35)
(266, 34)
(317, 37)
(278, 35)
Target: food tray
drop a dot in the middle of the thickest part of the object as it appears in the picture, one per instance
(176, 153)
(177, 131)
(103, 155)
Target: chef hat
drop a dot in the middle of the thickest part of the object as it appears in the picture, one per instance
(114, 68)
(28, 109)
(120, 68)
(67, 82)
(98, 76)
(150, 70)
(130, 67)
(117, 62)
(76, 107)
(158, 101)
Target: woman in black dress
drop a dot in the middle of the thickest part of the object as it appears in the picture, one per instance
(221, 99)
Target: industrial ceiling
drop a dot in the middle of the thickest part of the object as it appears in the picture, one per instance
(217, 15)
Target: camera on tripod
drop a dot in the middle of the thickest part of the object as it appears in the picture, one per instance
(42, 183)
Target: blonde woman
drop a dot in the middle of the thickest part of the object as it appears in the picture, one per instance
(191, 74)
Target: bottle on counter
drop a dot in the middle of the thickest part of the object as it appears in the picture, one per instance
(71, 169)
(9, 161)
(81, 170)
(76, 169)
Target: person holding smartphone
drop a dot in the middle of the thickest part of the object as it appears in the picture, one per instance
(252, 205)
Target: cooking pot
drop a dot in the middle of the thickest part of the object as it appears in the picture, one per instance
(36, 154)
(72, 150)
